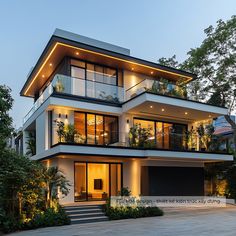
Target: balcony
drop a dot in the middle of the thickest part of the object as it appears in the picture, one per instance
(66, 85)
(148, 93)
(141, 139)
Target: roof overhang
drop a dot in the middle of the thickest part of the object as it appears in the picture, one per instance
(172, 108)
(58, 48)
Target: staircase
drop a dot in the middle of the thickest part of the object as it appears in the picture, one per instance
(80, 214)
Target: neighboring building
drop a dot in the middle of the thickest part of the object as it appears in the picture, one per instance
(224, 132)
(102, 92)
(15, 142)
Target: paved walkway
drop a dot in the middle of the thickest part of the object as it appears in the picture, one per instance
(204, 222)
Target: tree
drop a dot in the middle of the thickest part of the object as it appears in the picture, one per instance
(214, 63)
(6, 102)
(54, 180)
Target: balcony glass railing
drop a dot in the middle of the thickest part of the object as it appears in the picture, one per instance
(73, 86)
(86, 88)
(157, 87)
(162, 141)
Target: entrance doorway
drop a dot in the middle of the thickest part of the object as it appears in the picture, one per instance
(97, 181)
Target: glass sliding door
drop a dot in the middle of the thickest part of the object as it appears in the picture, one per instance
(95, 129)
(97, 181)
(91, 128)
(165, 135)
(80, 182)
(115, 179)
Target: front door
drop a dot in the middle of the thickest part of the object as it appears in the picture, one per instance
(97, 181)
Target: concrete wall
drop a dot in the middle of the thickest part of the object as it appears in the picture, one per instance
(131, 171)
(41, 132)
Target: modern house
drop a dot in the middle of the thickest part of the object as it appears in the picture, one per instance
(108, 120)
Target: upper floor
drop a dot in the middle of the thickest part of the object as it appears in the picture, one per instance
(109, 97)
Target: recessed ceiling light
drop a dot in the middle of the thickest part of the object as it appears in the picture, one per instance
(77, 53)
(151, 106)
(50, 64)
(162, 109)
(151, 72)
(186, 113)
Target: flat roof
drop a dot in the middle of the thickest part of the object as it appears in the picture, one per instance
(63, 43)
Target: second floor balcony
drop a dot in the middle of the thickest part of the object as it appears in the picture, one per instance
(113, 94)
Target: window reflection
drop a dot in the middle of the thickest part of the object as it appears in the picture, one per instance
(166, 135)
(96, 129)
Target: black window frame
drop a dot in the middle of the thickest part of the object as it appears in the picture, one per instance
(95, 127)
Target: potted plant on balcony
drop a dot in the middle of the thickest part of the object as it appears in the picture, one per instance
(59, 86)
(205, 133)
(60, 130)
(140, 137)
(164, 86)
(69, 133)
(190, 139)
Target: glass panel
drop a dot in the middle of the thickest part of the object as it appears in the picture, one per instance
(167, 130)
(77, 72)
(80, 182)
(90, 129)
(99, 74)
(109, 76)
(98, 181)
(90, 72)
(79, 122)
(159, 135)
(147, 125)
(115, 179)
(111, 127)
(177, 141)
(99, 130)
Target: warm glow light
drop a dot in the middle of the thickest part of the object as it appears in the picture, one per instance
(151, 72)
(50, 64)
(132, 68)
(209, 116)
(151, 106)
(43, 76)
(101, 54)
(162, 109)
(186, 113)
(77, 53)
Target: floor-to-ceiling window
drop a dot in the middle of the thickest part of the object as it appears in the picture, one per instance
(97, 181)
(96, 129)
(166, 135)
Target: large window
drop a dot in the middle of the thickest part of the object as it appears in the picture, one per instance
(96, 129)
(93, 72)
(166, 135)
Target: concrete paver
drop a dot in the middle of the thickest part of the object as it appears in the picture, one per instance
(182, 222)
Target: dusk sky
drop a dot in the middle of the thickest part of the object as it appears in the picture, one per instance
(150, 29)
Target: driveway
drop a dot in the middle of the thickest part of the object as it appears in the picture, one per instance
(183, 222)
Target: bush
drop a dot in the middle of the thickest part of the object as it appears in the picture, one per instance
(49, 217)
(132, 212)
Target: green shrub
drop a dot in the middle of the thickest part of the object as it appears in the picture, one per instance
(132, 212)
(48, 218)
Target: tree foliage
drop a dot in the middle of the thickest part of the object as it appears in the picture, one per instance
(6, 103)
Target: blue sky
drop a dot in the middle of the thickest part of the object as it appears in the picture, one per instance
(150, 29)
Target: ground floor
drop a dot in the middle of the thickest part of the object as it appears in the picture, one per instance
(94, 178)
(183, 221)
